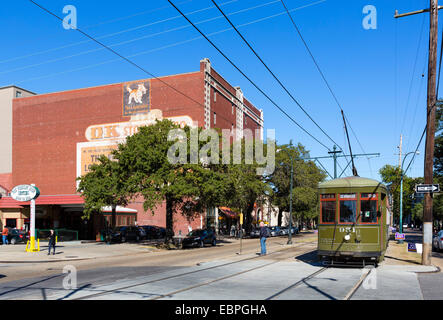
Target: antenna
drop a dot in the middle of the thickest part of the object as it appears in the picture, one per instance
(354, 170)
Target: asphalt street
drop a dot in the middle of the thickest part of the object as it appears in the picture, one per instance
(288, 272)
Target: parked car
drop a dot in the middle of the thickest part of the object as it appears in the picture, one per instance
(437, 242)
(275, 231)
(125, 233)
(284, 231)
(199, 238)
(255, 233)
(154, 232)
(16, 236)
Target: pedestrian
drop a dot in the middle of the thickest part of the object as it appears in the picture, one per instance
(5, 233)
(264, 234)
(51, 243)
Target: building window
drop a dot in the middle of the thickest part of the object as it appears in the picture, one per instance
(215, 118)
(232, 109)
(215, 96)
(232, 127)
(18, 94)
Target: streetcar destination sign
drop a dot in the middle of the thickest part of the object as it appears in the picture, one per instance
(25, 192)
(427, 188)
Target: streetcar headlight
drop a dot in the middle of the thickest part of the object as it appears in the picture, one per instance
(347, 237)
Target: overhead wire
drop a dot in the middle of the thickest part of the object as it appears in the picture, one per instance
(122, 57)
(130, 41)
(160, 48)
(244, 75)
(319, 70)
(272, 73)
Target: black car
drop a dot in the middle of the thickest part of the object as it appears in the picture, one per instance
(125, 233)
(154, 232)
(199, 237)
(16, 236)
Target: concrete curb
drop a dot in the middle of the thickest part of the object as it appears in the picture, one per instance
(47, 261)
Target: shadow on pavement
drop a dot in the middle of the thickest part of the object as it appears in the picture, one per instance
(309, 258)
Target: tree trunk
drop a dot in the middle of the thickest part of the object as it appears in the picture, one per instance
(169, 219)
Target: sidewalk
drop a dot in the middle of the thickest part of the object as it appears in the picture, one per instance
(71, 251)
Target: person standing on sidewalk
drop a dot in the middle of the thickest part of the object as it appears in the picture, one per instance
(5, 233)
(51, 243)
(264, 233)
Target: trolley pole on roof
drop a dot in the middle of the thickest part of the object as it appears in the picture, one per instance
(430, 125)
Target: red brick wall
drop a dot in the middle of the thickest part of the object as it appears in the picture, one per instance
(47, 128)
(6, 181)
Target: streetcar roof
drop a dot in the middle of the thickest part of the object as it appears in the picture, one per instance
(356, 182)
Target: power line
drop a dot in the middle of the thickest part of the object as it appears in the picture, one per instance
(162, 47)
(320, 71)
(111, 34)
(124, 58)
(272, 73)
(239, 70)
(129, 41)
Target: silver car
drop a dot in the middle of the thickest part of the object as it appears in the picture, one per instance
(437, 243)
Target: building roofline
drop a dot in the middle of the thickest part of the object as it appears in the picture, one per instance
(17, 87)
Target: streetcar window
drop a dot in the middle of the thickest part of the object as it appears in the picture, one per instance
(328, 211)
(368, 211)
(348, 209)
(328, 208)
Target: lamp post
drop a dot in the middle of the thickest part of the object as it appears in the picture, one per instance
(290, 194)
(401, 193)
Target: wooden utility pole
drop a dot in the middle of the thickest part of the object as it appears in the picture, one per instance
(430, 133)
(430, 126)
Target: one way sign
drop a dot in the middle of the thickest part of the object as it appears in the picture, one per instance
(427, 188)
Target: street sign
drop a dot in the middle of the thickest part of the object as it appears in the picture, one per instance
(399, 236)
(412, 247)
(25, 192)
(427, 188)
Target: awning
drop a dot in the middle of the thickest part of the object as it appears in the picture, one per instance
(8, 202)
(228, 212)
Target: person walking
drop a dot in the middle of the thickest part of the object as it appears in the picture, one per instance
(5, 234)
(264, 234)
(51, 243)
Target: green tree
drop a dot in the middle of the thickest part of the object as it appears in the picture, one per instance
(306, 177)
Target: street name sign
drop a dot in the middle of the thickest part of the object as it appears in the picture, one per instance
(25, 192)
(427, 188)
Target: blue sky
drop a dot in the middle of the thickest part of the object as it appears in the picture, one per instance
(376, 74)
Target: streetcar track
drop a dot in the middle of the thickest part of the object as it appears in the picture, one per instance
(195, 271)
(357, 285)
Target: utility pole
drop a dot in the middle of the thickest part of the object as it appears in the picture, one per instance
(334, 156)
(399, 155)
(430, 126)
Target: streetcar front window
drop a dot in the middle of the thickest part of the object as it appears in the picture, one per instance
(368, 208)
(348, 208)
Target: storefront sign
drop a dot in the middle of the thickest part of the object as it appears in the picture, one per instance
(121, 130)
(25, 192)
(90, 155)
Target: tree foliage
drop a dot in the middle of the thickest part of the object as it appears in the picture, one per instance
(306, 176)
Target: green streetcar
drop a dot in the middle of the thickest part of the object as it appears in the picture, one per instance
(353, 223)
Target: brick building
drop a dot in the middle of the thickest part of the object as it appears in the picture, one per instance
(57, 136)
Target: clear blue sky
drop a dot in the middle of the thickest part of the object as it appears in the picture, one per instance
(375, 74)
